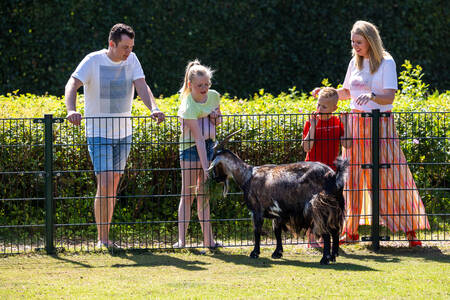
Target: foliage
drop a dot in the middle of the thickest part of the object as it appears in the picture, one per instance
(150, 187)
(275, 44)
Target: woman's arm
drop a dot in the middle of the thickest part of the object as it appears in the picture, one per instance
(344, 94)
(384, 98)
(199, 142)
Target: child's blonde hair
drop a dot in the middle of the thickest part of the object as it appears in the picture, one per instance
(193, 69)
(330, 94)
(376, 49)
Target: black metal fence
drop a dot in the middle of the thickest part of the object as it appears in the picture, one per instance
(48, 186)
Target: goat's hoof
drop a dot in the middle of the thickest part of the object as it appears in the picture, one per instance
(325, 260)
(254, 254)
(277, 254)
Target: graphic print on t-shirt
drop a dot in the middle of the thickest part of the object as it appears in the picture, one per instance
(114, 88)
(361, 81)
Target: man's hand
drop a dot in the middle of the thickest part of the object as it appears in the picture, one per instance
(158, 116)
(74, 117)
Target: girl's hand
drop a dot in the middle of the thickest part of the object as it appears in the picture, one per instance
(214, 116)
(315, 92)
(363, 99)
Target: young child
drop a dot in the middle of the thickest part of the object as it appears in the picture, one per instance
(324, 133)
(199, 113)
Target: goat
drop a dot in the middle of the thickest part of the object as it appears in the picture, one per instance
(297, 196)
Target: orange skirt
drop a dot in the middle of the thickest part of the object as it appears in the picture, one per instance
(401, 207)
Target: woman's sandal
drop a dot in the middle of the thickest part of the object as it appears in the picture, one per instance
(215, 246)
(413, 241)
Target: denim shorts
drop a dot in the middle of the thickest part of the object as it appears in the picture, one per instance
(191, 154)
(109, 154)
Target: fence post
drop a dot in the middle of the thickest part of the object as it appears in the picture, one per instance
(48, 161)
(376, 179)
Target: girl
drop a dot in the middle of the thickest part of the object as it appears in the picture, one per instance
(199, 113)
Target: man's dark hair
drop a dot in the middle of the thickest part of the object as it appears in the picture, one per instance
(117, 30)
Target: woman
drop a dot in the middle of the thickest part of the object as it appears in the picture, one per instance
(199, 113)
(371, 83)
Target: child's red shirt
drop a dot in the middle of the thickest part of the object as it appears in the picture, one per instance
(326, 141)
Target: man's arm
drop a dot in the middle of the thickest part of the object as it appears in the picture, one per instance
(70, 95)
(144, 91)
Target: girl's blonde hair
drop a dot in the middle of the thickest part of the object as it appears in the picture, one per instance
(193, 69)
(376, 49)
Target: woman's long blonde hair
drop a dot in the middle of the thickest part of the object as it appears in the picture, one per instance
(193, 69)
(376, 49)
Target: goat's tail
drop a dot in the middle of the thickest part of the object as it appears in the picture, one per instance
(341, 172)
(327, 214)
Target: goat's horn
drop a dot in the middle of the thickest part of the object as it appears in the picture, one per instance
(227, 138)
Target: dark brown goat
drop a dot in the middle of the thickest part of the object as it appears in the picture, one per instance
(297, 196)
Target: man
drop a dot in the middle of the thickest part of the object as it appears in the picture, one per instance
(109, 78)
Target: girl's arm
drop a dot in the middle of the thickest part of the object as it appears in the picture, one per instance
(199, 142)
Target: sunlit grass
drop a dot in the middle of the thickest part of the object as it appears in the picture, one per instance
(230, 273)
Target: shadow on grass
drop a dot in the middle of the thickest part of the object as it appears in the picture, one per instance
(263, 262)
(395, 253)
(148, 258)
(67, 260)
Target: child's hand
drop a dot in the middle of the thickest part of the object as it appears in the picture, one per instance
(313, 119)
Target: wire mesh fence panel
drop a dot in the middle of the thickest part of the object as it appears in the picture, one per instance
(22, 213)
(139, 209)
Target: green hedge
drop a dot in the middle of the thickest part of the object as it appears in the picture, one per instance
(270, 44)
(266, 138)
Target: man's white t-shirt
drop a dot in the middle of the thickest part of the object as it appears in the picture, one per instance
(363, 82)
(108, 91)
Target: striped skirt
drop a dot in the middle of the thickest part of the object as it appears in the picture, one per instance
(401, 207)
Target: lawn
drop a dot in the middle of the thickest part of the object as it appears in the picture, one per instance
(392, 273)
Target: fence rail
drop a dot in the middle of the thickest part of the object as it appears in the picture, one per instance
(48, 186)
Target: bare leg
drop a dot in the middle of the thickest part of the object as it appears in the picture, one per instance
(188, 179)
(203, 210)
(105, 200)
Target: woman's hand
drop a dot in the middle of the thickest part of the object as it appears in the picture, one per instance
(363, 99)
(315, 92)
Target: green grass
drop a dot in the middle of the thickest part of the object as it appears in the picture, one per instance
(392, 273)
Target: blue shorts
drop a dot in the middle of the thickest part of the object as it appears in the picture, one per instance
(109, 154)
(191, 154)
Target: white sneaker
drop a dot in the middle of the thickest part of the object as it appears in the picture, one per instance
(177, 245)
